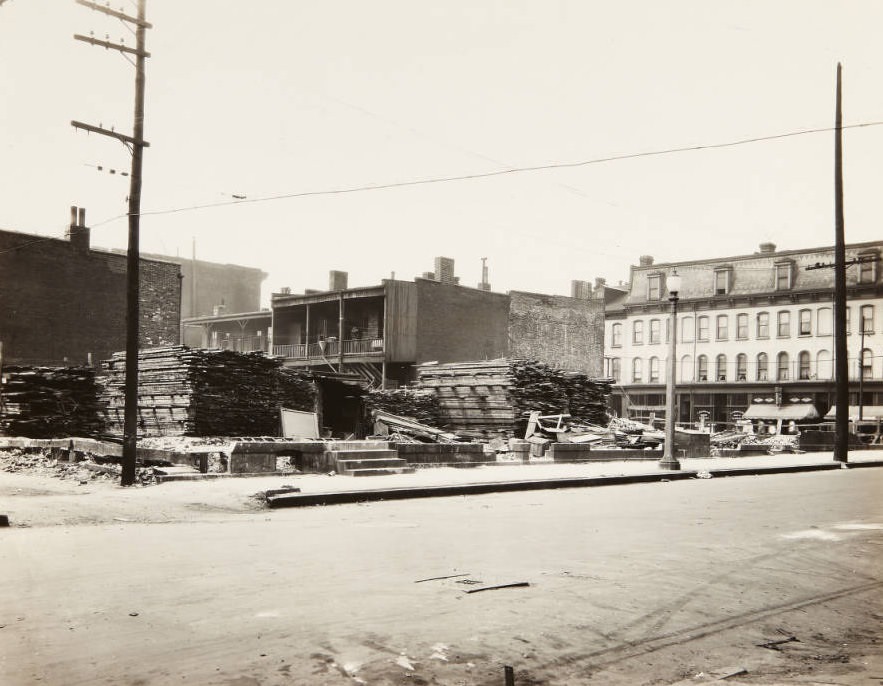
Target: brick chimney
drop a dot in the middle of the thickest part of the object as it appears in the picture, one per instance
(484, 285)
(337, 281)
(767, 248)
(600, 282)
(645, 260)
(78, 234)
(444, 270)
(581, 290)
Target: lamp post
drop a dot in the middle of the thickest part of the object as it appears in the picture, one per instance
(669, 461)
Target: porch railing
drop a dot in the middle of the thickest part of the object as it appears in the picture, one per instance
(329, 349)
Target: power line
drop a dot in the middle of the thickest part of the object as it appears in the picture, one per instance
(504, 172)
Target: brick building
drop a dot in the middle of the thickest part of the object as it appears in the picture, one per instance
(62, 302)
(755, 335)
(381, 332)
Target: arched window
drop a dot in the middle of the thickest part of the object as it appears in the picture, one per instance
(866, 364)
(782, 366)
(824, 366)
(742, 326)
(824, 320)
(655, 331)
(638, 332)
(686, 368)
(616, 369)
(637, 370)
(616, 335)
(702, 329)
(702, 368)
(762, 367)
(720, 368)
(866, 323)
(654, 370)
(723, 325)
(804, 324)
(741, 367)
(763, 324)
(783, 324)
(804, 365)
(688, 325)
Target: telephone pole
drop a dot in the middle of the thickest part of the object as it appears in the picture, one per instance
(841, 369)
(136, 145)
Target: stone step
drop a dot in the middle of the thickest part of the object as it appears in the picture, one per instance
(343, 446)
(385, 454)
(369, 463)
(381, 471)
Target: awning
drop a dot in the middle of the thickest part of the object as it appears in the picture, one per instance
(868, 412)
(789, 413)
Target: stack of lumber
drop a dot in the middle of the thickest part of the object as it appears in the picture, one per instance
(419, 405)
(49, 402)
(484, 398)
(193, 392)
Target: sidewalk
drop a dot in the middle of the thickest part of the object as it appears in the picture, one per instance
(31, 500)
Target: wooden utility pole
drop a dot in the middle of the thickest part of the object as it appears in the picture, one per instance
(841, 368)
(136, 144)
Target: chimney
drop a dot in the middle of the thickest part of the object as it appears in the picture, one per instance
(767, 248)
(581, 290)
(600, 282)
(285, 290)
(484, 285)
(337, 281)
(79, 232)
(444, 270)
(645, 260)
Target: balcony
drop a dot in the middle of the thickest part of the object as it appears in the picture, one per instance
(330, 349)
(244, 344)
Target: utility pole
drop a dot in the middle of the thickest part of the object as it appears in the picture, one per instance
(136, 144)
(841, 369)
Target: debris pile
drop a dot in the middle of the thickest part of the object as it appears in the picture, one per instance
(420, 405)
(49, 402)
(496, 396)
(192, 392)
(40, 463)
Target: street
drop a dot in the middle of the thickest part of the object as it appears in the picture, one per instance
(636, 584)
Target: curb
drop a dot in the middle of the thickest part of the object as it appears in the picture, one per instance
(344, 497)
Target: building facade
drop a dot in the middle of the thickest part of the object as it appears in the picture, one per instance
(754, 336)
(64, 303)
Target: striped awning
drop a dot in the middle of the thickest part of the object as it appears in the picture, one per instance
(789, 413)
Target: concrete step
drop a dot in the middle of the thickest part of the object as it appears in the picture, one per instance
(369, 463)
(380, 471)
(342, 446)
(384, 454)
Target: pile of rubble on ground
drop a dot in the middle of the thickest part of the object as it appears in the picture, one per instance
(735, 439)
(43, 463)
(421, 405)
(49, 402)
(192, 392)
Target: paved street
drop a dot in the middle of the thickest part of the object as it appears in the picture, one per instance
(636, 584)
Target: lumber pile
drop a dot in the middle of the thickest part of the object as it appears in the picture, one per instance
(418, 404)
(193, 392)
(49, 402)
(481, 398)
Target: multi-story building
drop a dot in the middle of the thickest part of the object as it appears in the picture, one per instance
(754, 335)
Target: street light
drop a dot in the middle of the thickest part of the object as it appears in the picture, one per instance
(669, 461)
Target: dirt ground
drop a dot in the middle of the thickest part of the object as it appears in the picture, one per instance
(669, 583)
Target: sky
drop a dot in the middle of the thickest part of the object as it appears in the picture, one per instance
(307, 99)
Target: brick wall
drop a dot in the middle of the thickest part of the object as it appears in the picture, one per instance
(455, 323)
(563, 332)
(58, 304)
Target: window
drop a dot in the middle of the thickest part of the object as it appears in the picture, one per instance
(783, 276)
(616, 368)
(720, 368)
(804, 325)
(742, 327)
(848, 320)
(616, 336)
(654, 287)
(702, 326)
(803, 364)
(824, 367)
(702, 368)
(782, 367)
(654, 370)
(866, 364)
(638, 333)
(723, 323)
(721, 281)
(866, 322)
(824, 321)
(688, 324)
(654, 331)
(636, 370)
(741, 367)
(686, 368)
(867, 266)
(783, 324)
(762, 367)
(763, 324)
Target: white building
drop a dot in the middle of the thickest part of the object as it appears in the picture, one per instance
(753, 331)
